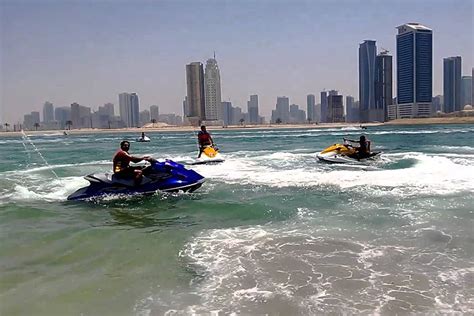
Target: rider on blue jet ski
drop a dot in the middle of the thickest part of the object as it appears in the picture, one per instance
(122, 161)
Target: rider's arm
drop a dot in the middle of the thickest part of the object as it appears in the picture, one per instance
(137, 159)
(368, 146)
(350, 140)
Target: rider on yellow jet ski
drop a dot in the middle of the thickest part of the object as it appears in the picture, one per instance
(363, 150)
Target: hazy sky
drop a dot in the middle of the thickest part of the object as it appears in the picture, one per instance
(90, 51)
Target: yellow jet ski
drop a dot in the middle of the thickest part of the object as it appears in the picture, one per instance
(210, 155)
(344, 153)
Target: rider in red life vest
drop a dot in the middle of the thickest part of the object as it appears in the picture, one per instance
(122, 161)
(204, 139)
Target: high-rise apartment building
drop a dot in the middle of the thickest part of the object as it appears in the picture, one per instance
(335, 109)
(227, 113)
(466, 91)
(125, 108)
(383, 87)
(196, 105)
(48, 112)
(62, 115)
(414, 70)
(212, 86)
(154, 112)
(109, 109)
(324, 107)
(311, 107)
(134, 110)
(252, 108)
(282, 109)
(367, 53)
(352, 110)
(452, 84)
(129, 107)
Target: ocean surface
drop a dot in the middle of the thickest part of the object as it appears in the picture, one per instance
(271, 231)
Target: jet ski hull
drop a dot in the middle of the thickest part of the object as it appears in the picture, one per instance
(341, 158)
(210, 155)
(342, 153)
(162, 176)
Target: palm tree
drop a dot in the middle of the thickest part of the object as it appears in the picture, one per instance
(309, 120)
(36, 125)
(6, 126)
(278, 121)
(153, 121)
(69, 123)
(242, 120)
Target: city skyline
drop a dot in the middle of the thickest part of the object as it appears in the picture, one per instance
(294, 51)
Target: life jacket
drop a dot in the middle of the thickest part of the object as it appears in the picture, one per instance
(121, 161)
(204, 138)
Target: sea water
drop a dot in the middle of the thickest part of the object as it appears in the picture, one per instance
(271, 231)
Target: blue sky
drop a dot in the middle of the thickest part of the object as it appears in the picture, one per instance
(90, 51)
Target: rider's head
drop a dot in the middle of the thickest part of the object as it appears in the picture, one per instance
(362, 138)
(203, 128)
(124, 145)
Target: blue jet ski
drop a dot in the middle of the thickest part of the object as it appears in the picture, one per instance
(167, 176)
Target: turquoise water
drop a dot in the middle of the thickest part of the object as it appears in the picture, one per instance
(272, 230)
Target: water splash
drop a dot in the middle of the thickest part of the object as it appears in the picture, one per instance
(26, 138)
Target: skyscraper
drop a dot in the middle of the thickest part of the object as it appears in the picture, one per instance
(311, 107)
(452, 84)
(125, 108)
(48, 112)
(282, 109)
(466, 90)
(109, 109)
(335, 109)
(367, 53)
(324, 107)
(134, 110)
(227, 113)
(196, 104)
(414, 70)
(383, 87)
(352, 111)
(252, 108)
(154, 112)
(212, 84)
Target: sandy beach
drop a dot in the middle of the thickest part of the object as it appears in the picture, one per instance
(420, 121)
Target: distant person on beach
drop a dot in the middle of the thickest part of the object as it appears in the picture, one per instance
(363, 150)
(122, 161)
(204, 139)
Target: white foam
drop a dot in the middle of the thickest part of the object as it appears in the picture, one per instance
(431, 174)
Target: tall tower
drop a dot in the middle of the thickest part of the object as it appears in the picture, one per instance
(196, 106)
(383, 86)
(452, 84)
(154, 112)
(311, 107)
(134, 110)
(367, 53)
(324, 107)
(252, 108)
(125, 109)
(414, 70)
(466, 92)
(212, 86)
(48, 112)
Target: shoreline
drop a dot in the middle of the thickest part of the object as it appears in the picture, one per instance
(139, 130)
